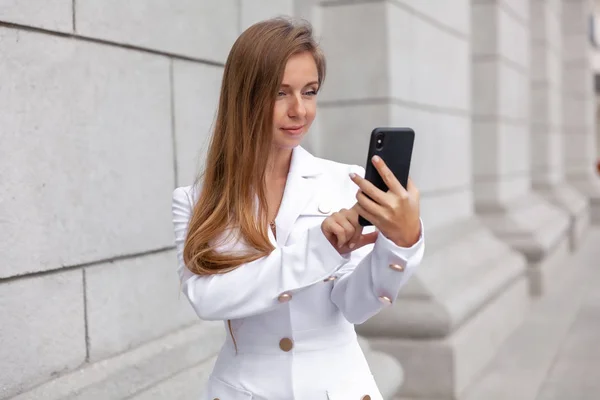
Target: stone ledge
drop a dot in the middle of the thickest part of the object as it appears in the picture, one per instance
(136, 371)
(575, 204)
(442, 369)
(529, 224)
(542, 275)
(469, 294)
(532, 226)
(590, 188)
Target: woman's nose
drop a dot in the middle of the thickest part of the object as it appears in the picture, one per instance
(297, 109)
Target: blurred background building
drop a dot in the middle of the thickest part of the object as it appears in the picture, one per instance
(106, 107)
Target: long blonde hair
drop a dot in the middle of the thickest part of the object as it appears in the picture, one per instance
(234, 175)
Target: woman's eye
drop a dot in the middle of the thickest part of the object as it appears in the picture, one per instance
(311, 93)
(281, 93)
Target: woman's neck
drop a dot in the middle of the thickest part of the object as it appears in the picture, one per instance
(278, 164)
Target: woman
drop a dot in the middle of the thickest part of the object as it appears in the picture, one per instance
(260, 248)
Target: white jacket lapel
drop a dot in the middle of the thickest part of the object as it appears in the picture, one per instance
(299, 189)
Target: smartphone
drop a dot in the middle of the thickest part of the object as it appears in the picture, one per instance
(395, 147)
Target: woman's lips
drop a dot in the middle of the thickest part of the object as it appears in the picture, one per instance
(293, 130)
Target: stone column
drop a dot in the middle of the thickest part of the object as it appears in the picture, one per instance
(579, 106)
(407, 63)
(547, 157)
(501, 141)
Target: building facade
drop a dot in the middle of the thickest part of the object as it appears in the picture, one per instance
(107, 106)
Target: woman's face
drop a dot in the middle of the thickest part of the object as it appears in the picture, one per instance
(296, 103)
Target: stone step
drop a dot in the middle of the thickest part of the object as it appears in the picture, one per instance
(139, 372)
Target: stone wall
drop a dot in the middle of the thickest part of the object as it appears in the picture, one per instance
(106, 107)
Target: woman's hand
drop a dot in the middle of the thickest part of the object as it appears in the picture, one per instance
(344, 232)
(395, 213)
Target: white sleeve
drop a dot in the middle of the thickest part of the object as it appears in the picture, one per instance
(255, 287)
(375, 273)
(374, 276)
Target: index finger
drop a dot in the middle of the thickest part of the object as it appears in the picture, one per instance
(353, 218)
(388, 176)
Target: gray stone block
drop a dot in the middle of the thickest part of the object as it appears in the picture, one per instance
(546, 97)
(484, 20)
(199, 29)
(196, 89)
(89, 174)
(133, 301)
(346, 45)
(42, 332)
(520, 9)
(449, 16)
(397, 74)
(513, 35)
(54, 15)
(252, 11)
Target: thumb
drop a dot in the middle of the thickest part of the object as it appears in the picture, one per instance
(366, 239)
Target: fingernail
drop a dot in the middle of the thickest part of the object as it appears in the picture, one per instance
(352, 175)
(352, 245)
(376, 159)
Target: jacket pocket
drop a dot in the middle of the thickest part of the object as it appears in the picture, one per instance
(219, 390)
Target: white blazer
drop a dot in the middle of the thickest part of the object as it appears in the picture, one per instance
(293, 312)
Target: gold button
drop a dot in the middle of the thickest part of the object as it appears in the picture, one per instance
(385, 300)
(286, 344)
(366, 397)
(397, 267)
(283, 297)
(329, 279)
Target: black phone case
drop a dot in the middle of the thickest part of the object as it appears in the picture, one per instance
(396, 151)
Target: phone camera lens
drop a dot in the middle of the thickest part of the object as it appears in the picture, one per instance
(379, 142)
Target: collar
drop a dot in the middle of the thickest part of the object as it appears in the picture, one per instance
(303, 163)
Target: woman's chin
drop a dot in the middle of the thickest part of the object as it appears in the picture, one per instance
(289, 141)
